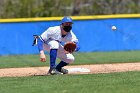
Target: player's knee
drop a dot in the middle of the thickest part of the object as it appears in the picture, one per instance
(70, 58)
(53, 44)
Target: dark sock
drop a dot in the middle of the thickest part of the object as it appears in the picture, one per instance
(60, 65)
(53, 54)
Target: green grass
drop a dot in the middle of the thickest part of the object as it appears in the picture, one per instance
(127, 82)
(107, 57)
(80, 58)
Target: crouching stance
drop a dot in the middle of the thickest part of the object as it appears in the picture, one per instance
(52, 40)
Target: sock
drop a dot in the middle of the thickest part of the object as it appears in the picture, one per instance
(60, 65)
(53, 54)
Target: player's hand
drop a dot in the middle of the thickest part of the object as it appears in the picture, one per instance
(42, 56)
(67, 52)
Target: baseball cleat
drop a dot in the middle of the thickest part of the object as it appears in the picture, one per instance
(54, 72)
(64, 71)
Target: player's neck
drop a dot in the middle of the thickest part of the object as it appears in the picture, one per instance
(64, 33)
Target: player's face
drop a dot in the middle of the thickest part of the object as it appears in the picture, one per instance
(67, 26)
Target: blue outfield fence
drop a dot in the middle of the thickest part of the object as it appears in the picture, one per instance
(93, 34)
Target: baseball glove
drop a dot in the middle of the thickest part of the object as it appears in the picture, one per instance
(70, 47)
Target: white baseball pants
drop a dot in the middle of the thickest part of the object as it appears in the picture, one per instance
(52, 44)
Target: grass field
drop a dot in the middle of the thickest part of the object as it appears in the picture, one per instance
(80, 58)
(127, 82)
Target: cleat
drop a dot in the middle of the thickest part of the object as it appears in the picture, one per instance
(54, 72)
(64, 71)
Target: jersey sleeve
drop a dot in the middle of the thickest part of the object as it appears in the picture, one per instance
(73, 37)
(75, 40)
(43, 38)
(45, 35)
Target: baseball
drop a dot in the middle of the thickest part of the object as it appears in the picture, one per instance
(114, 28)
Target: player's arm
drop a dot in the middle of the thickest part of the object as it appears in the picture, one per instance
(41, 40)
(77, 46)
(75, 40)
(40, 48)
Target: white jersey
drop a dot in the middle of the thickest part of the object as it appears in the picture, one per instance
(54, 33)
(53, 39)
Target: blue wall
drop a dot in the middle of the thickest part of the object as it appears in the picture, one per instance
(94, 35)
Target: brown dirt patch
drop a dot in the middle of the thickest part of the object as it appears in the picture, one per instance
(97, 68)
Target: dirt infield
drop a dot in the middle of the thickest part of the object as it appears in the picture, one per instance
(78, 69)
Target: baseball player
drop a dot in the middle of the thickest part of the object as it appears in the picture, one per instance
(51, 40)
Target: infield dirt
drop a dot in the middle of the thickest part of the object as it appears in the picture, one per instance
(93, 69)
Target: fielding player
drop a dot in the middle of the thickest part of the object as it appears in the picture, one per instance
(51, 40)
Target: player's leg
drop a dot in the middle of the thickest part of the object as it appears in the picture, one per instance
(66, 59)
(53, 47)
(60, 68)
